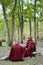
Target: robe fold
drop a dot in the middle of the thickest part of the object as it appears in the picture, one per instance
(28, 52)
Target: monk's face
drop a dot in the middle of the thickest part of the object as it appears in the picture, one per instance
(30, 38)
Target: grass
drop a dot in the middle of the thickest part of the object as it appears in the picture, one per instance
(38, 60)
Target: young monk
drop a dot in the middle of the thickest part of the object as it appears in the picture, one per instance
(30, 47)
(31, 43)
(17, 52)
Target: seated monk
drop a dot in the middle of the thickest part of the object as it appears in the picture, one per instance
(30, 43)
(30, 47)
(17, 52)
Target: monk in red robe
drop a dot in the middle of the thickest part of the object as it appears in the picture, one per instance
(17, 52)
(30, 47)
(31, 43)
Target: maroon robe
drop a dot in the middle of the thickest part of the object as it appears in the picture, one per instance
(28, 52)
(30, 47)
(31, 44)
(17, 53)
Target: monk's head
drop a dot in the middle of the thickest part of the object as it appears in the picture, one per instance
(17, 42)
(29, 38)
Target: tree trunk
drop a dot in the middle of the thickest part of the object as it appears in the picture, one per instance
(13, 17)
(37, 31)
(12, 32)
(21, 28)
(21, 20)
(0, 43)
(21, 31)
(35, 22)
(18, 33)
(30, 27)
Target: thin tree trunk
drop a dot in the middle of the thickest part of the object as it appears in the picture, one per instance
(18, 33)
(12, 32)
(35, 22)
(21, 20)
(37, 31)
(21, 31)
(30, 27)
(13, 23)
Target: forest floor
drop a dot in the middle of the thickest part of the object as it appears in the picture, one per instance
(38, 60)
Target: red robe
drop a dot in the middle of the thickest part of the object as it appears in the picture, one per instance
(17, 53)
(28, 52)
(31, 44)
(30, 47)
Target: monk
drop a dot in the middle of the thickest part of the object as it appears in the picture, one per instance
(17, 52)
(30, 47)
(31, 43)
